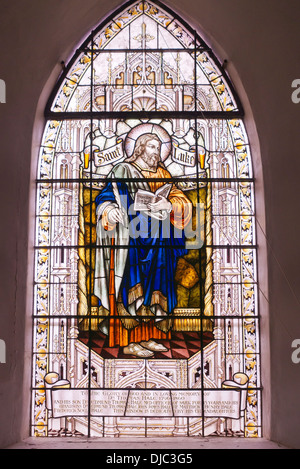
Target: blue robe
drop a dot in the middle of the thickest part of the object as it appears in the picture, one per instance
(152, 256)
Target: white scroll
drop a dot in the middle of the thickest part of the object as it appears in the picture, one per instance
(104, 157)
(184, 157)
(188, 157)
(109, 156)
(228, 402)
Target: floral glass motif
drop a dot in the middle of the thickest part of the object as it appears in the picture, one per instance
(145, 315)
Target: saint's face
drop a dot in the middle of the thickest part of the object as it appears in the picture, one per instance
(151, 154)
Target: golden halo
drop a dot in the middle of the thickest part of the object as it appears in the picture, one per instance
(148, 128)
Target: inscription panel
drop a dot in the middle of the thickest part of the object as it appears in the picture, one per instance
(145, 403)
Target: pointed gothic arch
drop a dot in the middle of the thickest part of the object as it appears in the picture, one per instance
(146, 71)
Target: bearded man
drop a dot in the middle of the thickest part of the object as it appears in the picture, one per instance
(134, 275)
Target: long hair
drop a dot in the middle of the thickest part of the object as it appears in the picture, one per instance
(140, 145)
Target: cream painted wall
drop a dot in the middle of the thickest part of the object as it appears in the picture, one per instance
(259, 38)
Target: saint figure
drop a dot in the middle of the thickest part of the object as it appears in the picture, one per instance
(136, 255)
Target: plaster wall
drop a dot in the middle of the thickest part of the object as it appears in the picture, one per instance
(259, 39)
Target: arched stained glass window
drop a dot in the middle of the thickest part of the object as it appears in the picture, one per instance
(145, 316)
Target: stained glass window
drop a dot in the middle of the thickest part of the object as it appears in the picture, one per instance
(145, 315)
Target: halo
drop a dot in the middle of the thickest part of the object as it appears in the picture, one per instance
(136, 132)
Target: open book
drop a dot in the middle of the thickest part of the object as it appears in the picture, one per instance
(144, 198)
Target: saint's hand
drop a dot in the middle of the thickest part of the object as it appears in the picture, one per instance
(115, 216)
(161, 204)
